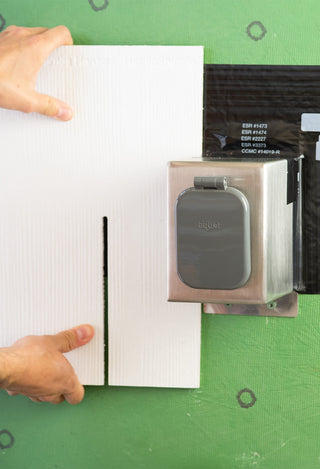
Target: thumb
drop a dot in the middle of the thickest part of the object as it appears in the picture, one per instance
(66, 341)
(52, 107)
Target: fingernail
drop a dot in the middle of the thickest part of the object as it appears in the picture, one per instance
(64, 114)
(83, 332)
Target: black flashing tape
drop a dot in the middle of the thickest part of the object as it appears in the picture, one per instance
(254, 111)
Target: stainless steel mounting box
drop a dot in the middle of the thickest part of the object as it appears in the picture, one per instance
(264, 184)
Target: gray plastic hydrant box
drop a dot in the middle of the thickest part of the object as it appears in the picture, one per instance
(230, 234)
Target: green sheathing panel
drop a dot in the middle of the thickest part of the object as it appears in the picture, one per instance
(220, 25)
(278, 360)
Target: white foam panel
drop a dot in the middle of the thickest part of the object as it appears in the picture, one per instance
(135, 109)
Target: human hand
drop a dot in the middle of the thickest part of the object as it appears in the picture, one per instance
(35, 367)
(22, 53)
